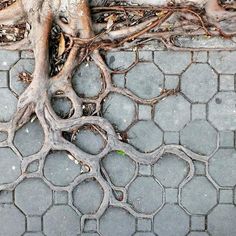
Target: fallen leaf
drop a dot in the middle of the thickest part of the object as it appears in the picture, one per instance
(120, 152)
(62, 45)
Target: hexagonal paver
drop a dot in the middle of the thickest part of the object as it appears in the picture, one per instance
(199, 195)
(23, 65)
(171, 221)
(222, 167)
(199, 136)
(179, 61)
(10, 166)
(222, 110)
(199, 82)
(8, 58)
(90, 141)
(145, 195)
(117, 222)
(61, 220)
(33, 196)
(145, 136)
(221, 61)
(222, 220)
(120, 60)
(120, 168)
(29, 139)
(87, 196)
(62, 106)
(143, 84)
(171, 170)
(87, 80)
(59, 169)
(8, 104)
(119, 110)
(12, 221)
(172, 113)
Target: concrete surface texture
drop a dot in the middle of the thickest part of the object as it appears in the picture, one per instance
(190, 192)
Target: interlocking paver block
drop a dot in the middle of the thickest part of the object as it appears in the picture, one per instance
(117, 222)
(145, 136)
(145, 195)
(145, 112)
(6, 196)
(8, 103)
(8, 58)
(197, 233)
(33, 166)
(171, 195)
(179, 61)
(171, 137)
(200, 168)
(199, 136)
(221, 111)
(200, 56)
(61, 106)
(23, 65)
(197, 222)
(171, 221)
(3, 79)
(145, 85)
(90, 225)
(172, 113)
(34, 234)
(29, 138)
(87, 196)
(171, 81)
(220, 60)
(203, 81)
(119, 110)
(120, 60)
(227, 82)
(144, 169)
(35, 192)
(59, 169)
(226, 196)
(9, 166)
(12, 221)
(145, 55)
(225, 213)
(3, 136)
(170, 170)
(87, 80)
(34, 223)
(144, 234)
(118, 80)
(199, 195)
(120, 168)
(144, 224)
(89, 141)
(61, 220)
(222, 167)
(198, 111)
(60, 197)
(227, 139)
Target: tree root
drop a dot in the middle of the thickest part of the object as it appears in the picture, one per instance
(37, 97)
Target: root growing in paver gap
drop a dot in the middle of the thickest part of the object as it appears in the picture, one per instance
(78, 39)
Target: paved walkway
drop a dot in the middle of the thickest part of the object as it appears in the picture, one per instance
(181, 180)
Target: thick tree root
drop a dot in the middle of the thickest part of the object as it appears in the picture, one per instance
(36, 99)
